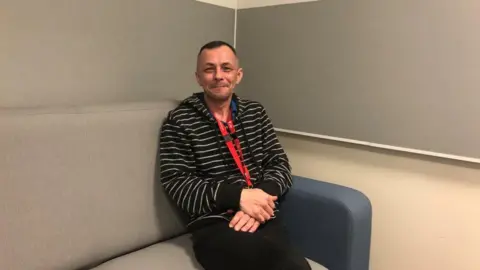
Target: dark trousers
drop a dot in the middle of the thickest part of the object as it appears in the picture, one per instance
(219, 247)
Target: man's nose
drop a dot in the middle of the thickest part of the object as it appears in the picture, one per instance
(219, 75)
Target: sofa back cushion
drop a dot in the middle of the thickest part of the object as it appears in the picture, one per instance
(77, 185)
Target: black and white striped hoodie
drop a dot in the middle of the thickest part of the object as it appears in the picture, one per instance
(197, 170)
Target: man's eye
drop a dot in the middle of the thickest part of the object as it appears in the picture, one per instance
(208, 70)
(227, 69)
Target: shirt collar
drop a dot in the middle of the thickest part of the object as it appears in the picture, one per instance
(233, 106)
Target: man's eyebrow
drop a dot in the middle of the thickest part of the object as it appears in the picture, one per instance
(223, 64)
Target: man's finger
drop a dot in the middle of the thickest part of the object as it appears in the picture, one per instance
(267, 215)
(254, 227)
(249, 225)
(258, 215)
(271, 204)
(236, 218)
(263, 216)
(274, 198)
(268, 210)
(242, 222)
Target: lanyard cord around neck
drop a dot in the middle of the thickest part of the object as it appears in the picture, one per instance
(231, 138)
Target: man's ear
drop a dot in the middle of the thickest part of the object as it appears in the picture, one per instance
(239, 75)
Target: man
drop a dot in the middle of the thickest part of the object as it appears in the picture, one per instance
(223, 165)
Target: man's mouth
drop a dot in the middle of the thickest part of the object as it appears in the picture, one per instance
(219, 86)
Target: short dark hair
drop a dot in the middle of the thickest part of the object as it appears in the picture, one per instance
(216, 44)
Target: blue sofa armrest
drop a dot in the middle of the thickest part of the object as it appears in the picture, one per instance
(330, 224)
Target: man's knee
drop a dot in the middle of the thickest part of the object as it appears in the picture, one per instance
(290, 259)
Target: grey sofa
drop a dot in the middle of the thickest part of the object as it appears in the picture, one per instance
(78, 190)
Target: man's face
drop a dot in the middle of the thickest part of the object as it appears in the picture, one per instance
(218, 72)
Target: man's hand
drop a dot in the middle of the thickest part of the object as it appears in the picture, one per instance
(257, 204)
(244, 222)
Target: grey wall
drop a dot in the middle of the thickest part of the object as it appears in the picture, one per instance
(401, 73)
(90, 51)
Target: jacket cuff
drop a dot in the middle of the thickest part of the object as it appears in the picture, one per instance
(228, 197)
(270, 187)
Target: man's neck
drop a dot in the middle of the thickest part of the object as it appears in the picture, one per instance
(220, 110)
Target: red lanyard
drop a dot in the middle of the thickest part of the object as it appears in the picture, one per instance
(228, 140)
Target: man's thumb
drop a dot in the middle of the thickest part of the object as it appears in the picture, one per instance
(274, 198)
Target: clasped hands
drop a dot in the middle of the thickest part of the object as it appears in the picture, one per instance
(256, 207)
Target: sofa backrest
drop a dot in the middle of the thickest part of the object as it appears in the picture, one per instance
(77, 185)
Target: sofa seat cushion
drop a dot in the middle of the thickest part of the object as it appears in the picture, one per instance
(172, 254)
(176, 253)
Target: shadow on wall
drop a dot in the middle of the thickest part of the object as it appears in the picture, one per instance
(402, 160)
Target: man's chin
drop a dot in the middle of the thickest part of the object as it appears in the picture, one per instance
(219, 95)
(220, 90)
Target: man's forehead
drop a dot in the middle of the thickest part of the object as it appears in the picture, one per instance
(217, 56)
(219, 63)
